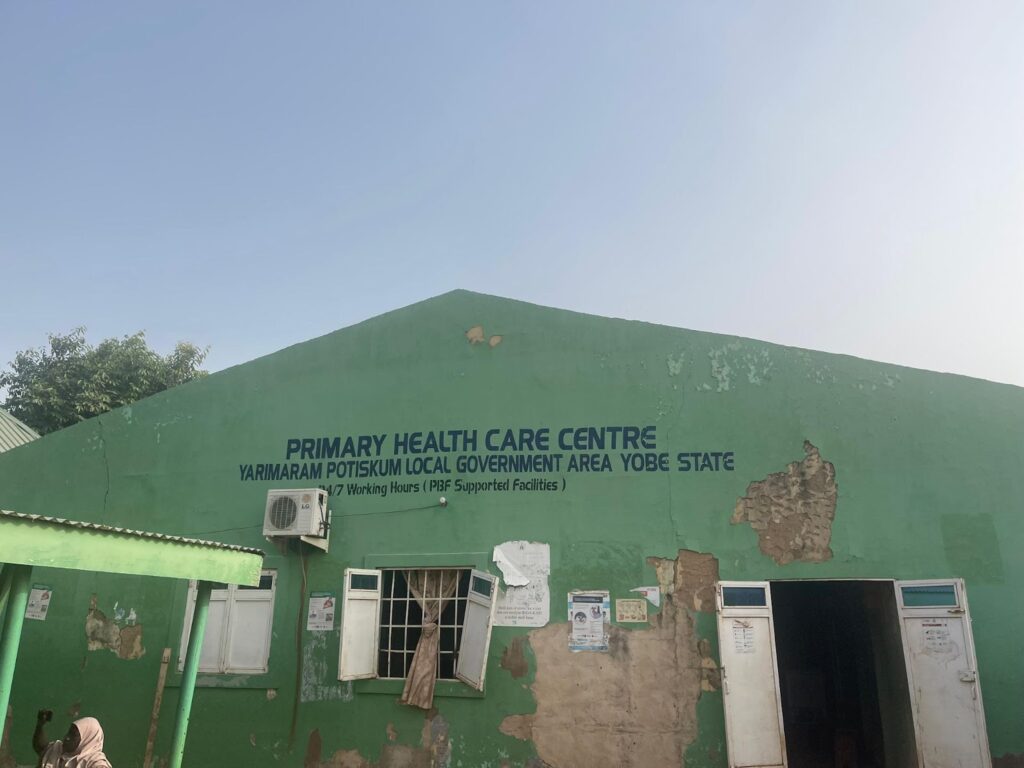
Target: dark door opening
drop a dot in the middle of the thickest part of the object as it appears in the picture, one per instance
(845, 699)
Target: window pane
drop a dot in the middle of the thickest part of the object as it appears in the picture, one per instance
(398, 609)
(397, 665)
(397, 639)
(382, 664)
(401, 588)
(415, 613)
(482, 586)
(930, 595)
(744, 596)
(249, 645)
(447, 641)
(363, 581)
(446, 666)
(266, 582)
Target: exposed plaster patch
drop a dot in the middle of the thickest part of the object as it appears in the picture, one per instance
(792, 511)
(475, 334)
(494, 341)
(271, 694)
(514, 659)
(656, 675)
(434, 752)
(108, 634)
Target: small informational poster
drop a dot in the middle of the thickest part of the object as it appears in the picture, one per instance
(525, 601)
(38, 602)
(743, 636)
(631, 611)
(589, 620)
(936, 636)
(321, 612)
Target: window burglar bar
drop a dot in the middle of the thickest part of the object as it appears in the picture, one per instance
(401, 621)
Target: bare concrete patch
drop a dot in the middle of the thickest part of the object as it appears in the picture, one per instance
(434, 752)
(108, 634)
(792, 511)
(635, 705)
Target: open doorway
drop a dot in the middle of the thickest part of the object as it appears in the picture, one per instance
(842, 675)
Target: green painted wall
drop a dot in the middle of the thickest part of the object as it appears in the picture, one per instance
(929, 470)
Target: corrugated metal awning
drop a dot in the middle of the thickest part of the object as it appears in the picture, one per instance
(13, 432)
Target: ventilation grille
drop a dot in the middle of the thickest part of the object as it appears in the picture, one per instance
(283, 513)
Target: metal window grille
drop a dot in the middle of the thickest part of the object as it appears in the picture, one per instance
(401, 620)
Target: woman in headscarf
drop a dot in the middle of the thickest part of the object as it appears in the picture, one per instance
(81, 747)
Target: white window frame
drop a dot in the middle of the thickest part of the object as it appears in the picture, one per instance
(358, 635)
(231, 597)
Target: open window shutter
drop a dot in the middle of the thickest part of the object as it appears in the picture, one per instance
(252, 616)
(476, 630)
(750, 676)
(360, 624)
(212, 653)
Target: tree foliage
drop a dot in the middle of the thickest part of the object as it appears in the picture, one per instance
(55, 387)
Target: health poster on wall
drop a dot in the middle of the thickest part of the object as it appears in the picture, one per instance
(588, 620)
(631, 611)
(525, 601)
(38, 602)
(321, 612)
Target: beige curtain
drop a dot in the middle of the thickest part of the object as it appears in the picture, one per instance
(433, 589)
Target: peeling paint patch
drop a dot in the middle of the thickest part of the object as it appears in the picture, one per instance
(513, 659)
(657, 675)
(792, 511)
(494, 341)
(675, 364)
(475, 335)
(108, 634)
(318, 684)
(391, 733)
(314, 746)
(434, 751)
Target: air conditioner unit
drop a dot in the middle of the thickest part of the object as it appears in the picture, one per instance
(298, 513)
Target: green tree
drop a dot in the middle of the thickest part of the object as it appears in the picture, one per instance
(52, 388)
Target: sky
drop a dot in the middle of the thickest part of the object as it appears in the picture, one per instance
(840, 176)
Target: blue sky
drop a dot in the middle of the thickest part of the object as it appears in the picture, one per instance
(833, 175)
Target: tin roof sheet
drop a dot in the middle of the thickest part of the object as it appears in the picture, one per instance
(127, 532)
(13, 432)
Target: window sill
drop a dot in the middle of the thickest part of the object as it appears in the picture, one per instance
(444, 688)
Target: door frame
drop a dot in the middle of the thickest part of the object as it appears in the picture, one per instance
(961, 610)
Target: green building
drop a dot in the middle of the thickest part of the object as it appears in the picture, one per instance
(601, 542)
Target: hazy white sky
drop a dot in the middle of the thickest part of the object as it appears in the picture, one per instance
(834, 175)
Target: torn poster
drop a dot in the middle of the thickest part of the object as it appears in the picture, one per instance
(38, 602)
(525, 601)
(634, 611)
(588, 621)
(321, 612)
(651, 593)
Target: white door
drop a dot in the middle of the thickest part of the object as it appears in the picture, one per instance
(943, 674)
(750, 675)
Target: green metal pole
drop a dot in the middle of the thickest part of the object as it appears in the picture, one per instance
(21, 584)
(6, 573)
(191, 671)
